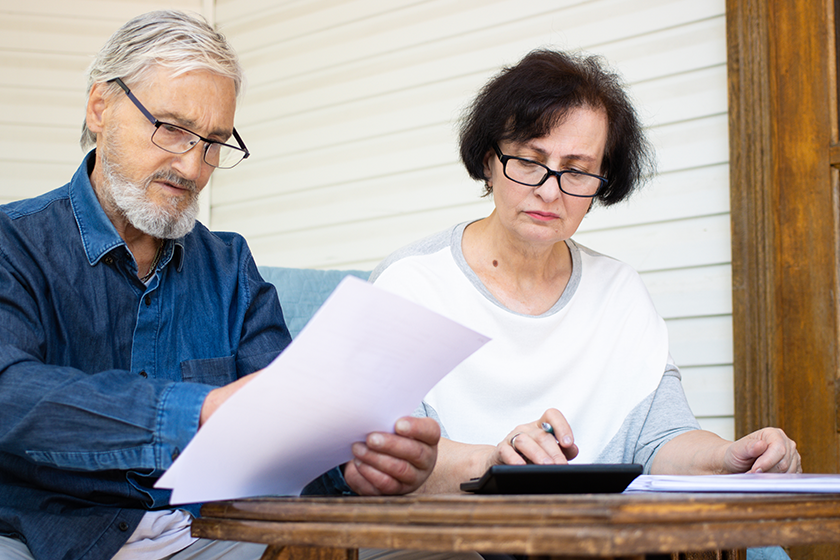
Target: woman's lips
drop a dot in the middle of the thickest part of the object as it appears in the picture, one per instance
(543, 216)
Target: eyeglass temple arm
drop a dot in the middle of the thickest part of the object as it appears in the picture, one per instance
(134, 100)
(241, 143)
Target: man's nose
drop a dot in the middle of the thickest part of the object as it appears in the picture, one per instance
(191, 164)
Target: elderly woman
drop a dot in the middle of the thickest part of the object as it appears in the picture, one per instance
(576, 341)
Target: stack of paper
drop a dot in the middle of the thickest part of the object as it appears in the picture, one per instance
(760, 482)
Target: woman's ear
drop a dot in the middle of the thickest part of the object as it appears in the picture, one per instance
(487, 159)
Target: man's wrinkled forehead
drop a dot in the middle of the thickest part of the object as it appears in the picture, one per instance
(199, 100)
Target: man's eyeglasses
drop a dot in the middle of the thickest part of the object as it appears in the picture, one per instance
(533, 174)
(178, 140)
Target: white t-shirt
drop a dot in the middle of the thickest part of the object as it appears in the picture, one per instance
(599, 355)
(159, 534)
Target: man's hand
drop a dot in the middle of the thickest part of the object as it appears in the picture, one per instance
(767, 450)
(395, 463)
(216, 397)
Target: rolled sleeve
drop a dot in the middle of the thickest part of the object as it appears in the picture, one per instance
(178, 415)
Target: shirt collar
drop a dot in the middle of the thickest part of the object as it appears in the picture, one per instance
(99, 236)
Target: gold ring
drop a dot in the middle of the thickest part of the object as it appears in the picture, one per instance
(513, 441)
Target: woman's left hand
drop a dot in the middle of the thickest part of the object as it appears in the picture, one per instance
(532, 443)
(766, 450)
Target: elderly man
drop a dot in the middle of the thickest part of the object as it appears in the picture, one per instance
(124, 324)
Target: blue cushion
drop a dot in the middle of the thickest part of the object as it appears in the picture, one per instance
(303, 290)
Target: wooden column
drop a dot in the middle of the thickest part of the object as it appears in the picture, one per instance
(784, 203)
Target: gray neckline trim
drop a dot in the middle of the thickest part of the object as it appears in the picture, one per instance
(568, 292)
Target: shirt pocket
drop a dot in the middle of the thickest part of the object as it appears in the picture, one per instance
(210, 371)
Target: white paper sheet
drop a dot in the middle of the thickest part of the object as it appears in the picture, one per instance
(367, 358)
(761, 482)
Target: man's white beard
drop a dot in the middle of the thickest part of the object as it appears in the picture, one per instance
(130, 199)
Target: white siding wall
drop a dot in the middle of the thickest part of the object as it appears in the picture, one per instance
(351, 114)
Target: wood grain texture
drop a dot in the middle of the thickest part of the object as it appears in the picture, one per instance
(605, 525)
(784, 225)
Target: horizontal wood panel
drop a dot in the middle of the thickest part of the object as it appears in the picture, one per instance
(28, 179)
(346, 202)
(439, 103)
(693, 143)
(117, 11)
(691, 292)
(669, 196)
(393, 71)
(423, 147)
(428, 189)
(353, 245)
(335, 165)
(49, 34)
(38, 107)
(39, 143)
(701, 341)
(664, 246)
(682, 96)
(709, 390)
(309, 42)
(57, 71)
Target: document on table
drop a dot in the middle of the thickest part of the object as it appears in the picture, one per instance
(759, 482)
(367, 358)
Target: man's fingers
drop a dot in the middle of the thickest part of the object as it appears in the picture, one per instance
(425, 430)
(358, 482)
(389, 474)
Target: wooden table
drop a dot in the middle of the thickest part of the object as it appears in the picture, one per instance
(627, 526)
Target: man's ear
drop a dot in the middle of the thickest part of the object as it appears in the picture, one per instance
(96, 108)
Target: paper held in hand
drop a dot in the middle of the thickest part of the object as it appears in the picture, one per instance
(367, 358)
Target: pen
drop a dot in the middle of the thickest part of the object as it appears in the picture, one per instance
(547, 428)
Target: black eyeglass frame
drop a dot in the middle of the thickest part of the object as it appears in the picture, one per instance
(549, 173)
(207, 141)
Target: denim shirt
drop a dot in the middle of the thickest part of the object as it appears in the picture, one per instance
(102, 377)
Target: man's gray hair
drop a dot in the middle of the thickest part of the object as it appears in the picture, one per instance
(171, 39)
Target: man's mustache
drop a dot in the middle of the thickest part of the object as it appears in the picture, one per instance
(173, 178)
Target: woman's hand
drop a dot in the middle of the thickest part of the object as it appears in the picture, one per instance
(702, 452)
(534, 443)
(767, 450)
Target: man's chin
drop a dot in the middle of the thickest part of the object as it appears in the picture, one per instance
(165, 227)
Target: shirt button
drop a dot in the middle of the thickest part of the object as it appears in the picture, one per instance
(148, 300)
(144, 375)
(123, 526)
(108, 260)
(176, 453)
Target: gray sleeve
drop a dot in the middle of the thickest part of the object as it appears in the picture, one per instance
(663, 415)
(426, 411)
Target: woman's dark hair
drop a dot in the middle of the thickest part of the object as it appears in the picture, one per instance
(528, 100)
